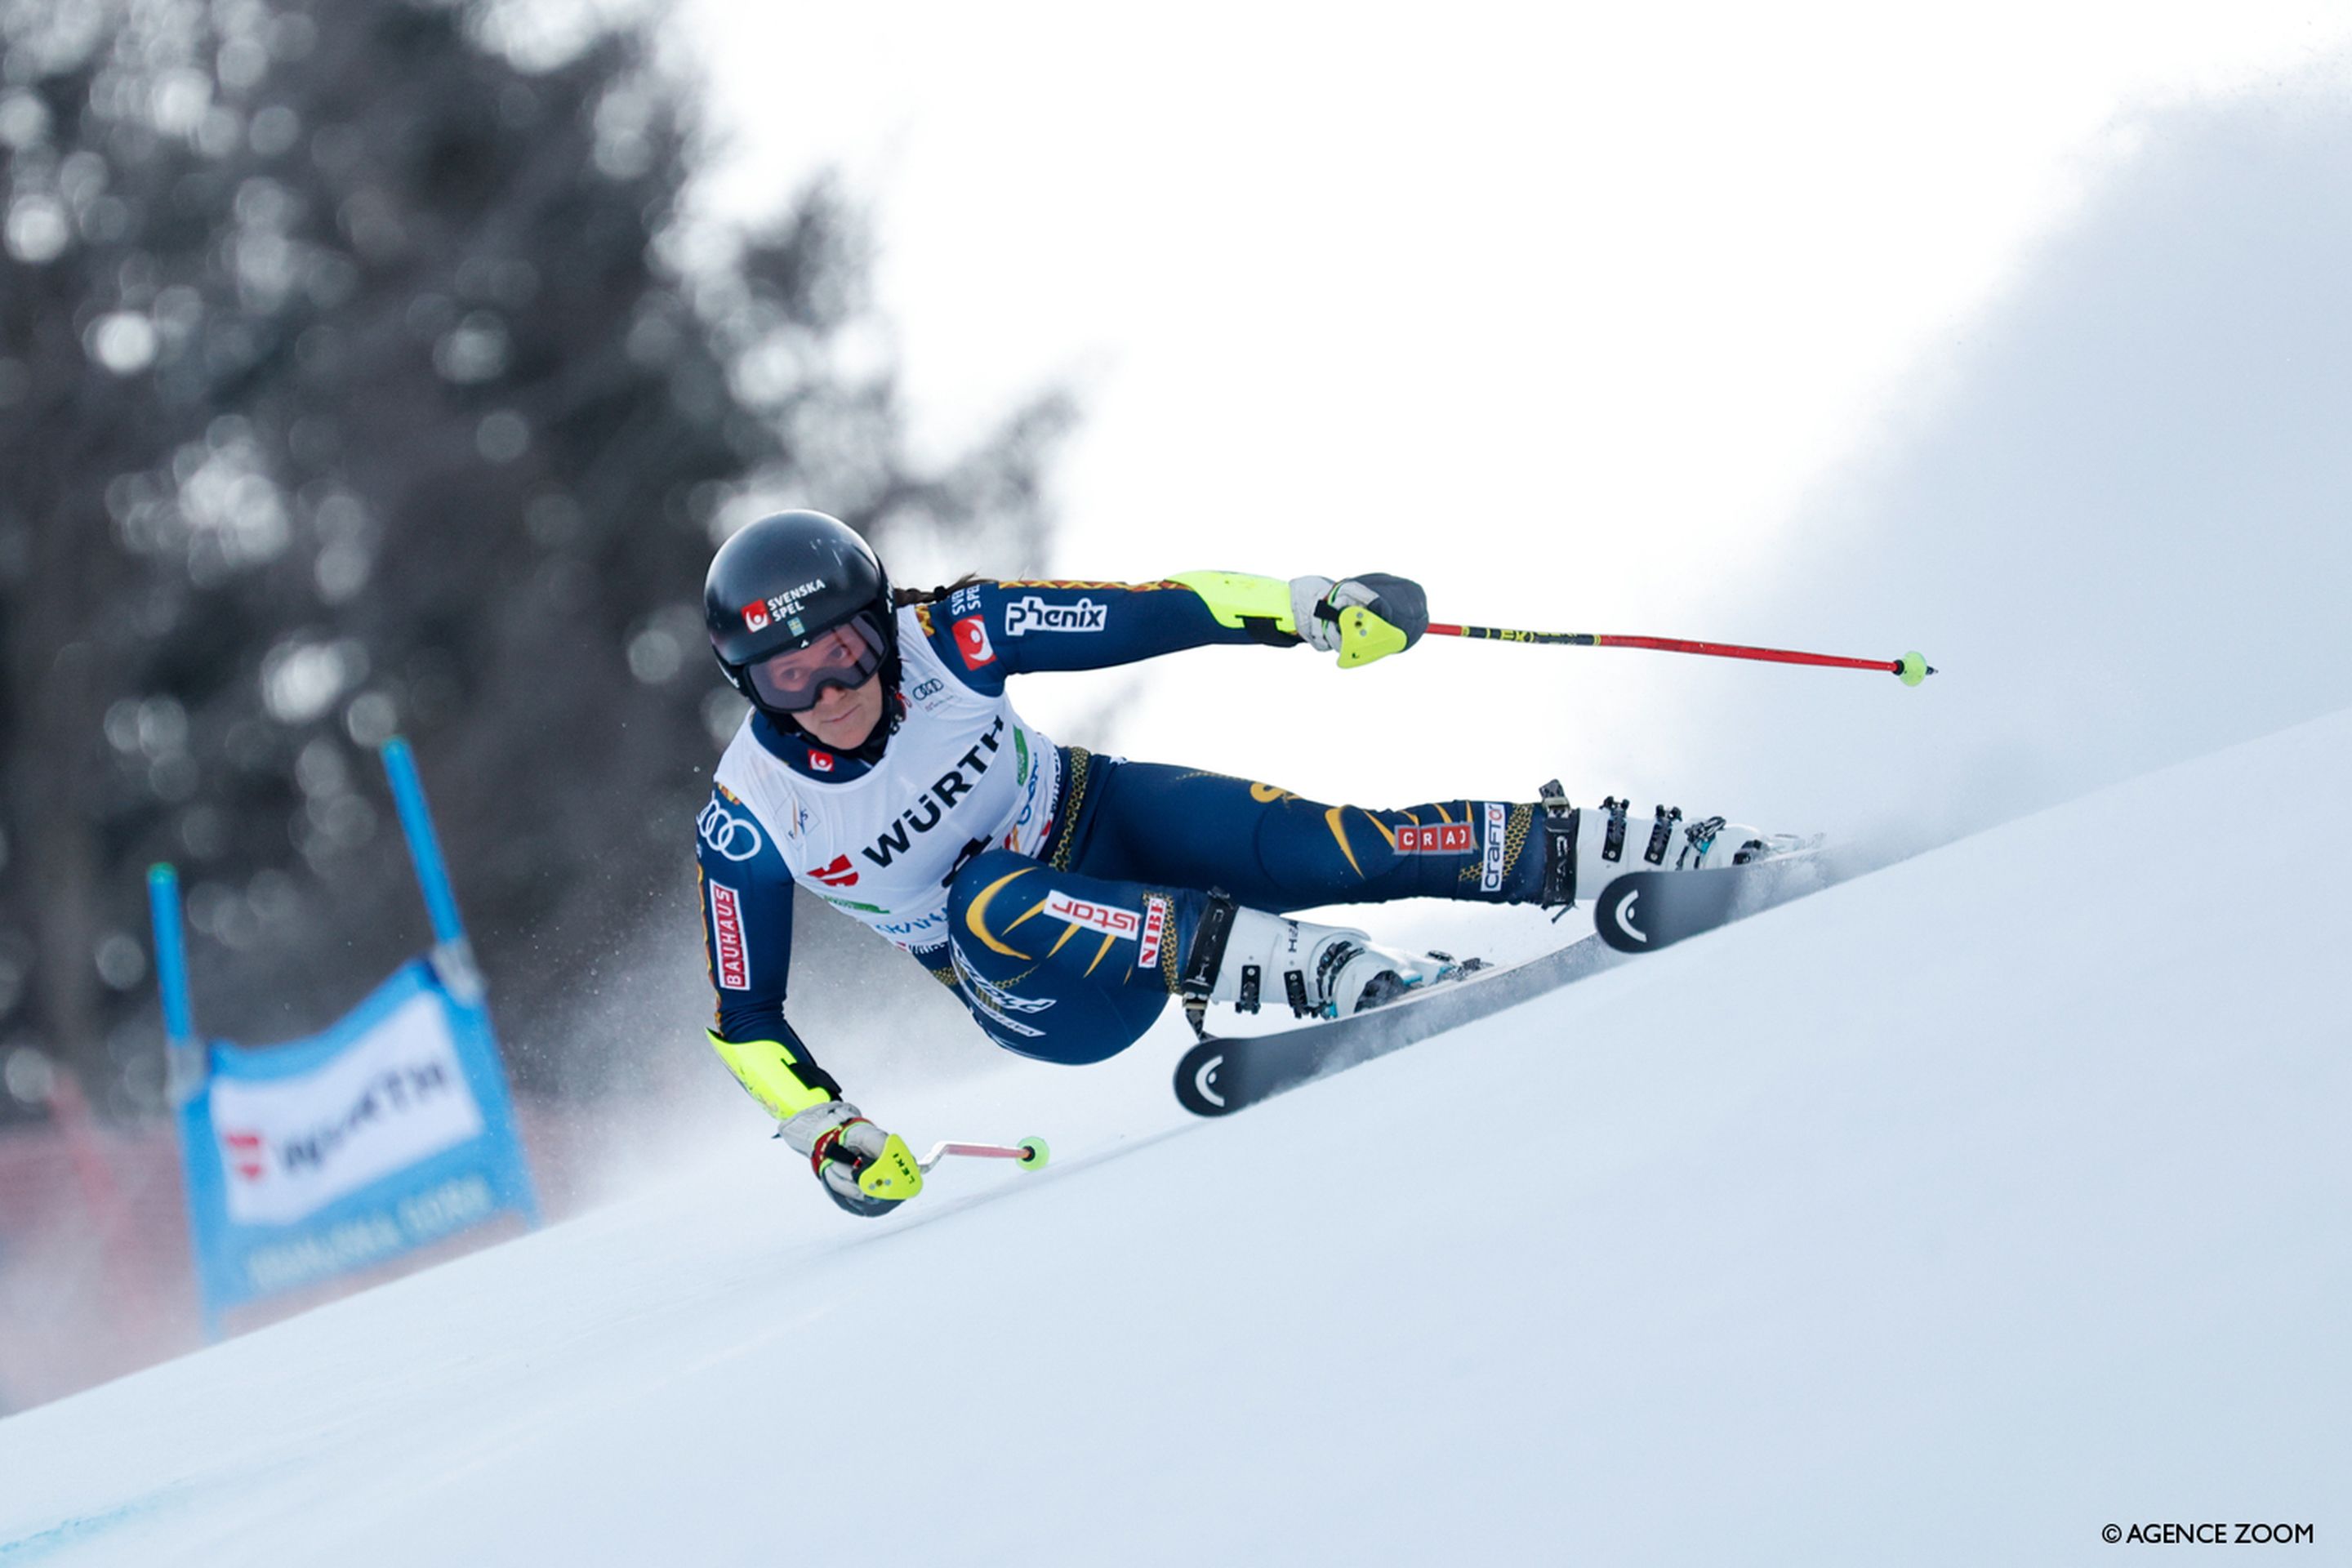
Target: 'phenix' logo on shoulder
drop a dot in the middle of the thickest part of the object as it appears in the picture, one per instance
(1032, 613)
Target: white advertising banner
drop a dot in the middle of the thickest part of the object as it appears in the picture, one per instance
(289, 1146)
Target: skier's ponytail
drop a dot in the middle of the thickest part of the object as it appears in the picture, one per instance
(902, 597)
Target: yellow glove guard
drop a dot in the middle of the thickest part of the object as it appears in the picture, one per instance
(894, 1174)
(1364, 637)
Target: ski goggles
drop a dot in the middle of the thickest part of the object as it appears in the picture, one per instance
(792, 681)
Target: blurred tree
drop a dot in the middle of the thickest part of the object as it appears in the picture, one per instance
(347, 386)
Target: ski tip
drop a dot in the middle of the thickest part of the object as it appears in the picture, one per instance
(1200, 1085)
(1616, 916)
(1913, 668)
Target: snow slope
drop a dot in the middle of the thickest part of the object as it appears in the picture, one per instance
(1946, 1216)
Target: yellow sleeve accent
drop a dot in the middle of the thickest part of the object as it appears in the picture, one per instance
(765, 1068)
(1231, 596)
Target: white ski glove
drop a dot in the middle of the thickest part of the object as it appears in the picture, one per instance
(1396, 615)
(864, 1170)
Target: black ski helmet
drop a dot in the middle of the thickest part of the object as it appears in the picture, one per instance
(783, 582)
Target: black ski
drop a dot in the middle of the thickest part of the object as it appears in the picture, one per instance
(1220, 1076)
(1642, 911)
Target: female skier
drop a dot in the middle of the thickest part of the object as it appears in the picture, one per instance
(1063, 894)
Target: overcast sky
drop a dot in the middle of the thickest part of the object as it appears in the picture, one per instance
(1561, 309)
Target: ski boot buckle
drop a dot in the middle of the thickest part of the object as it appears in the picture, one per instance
(1559, 825)
(1199, 975)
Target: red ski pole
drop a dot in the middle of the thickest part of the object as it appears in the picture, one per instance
(1911, 668)
(1030, 1153)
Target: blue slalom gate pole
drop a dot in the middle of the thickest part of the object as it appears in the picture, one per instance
(453, 956)
(186, 1069)
(186, 1057)
(424, 844)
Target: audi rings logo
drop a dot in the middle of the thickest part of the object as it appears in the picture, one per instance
(733, 836)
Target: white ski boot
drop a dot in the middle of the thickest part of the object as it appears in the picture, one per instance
(1328, 972)
(1585, 847)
